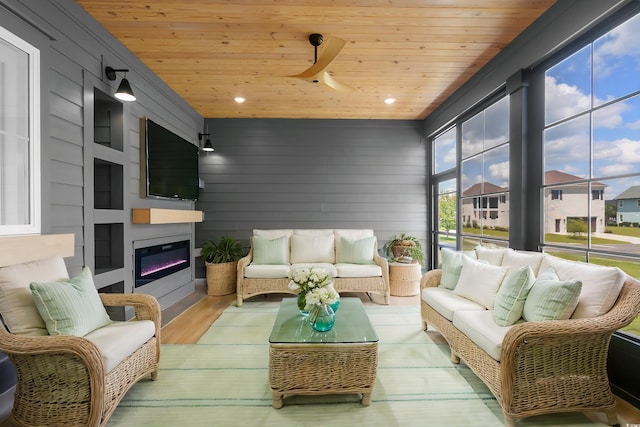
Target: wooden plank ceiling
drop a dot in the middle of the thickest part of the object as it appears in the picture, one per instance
(416, 51)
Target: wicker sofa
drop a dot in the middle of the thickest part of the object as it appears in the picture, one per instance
(537, 367)
(351, 255)
(67, 379)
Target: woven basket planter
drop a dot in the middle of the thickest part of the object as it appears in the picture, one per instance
(221, 278)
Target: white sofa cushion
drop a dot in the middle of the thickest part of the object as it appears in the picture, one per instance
(493, 256)
(518, 259)
(315, 248)
(551, 298)
(446, 302)
(118, 340)
(270, 251)
(266, 271)
(16, 301)
(331, 268)
(272, 234)
(600, 285)
(480, 328)
(480, 281)
(313, 231)
(358, 270)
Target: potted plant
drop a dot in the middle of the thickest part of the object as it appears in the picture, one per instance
(404, 248)
(221, 259)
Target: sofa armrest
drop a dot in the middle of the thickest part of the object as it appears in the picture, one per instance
(431, 279)
(384, 266)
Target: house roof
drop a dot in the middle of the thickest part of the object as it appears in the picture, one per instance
(476, 189)
(632, 192)
(558, 177)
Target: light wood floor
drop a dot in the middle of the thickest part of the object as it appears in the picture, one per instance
(187, 321)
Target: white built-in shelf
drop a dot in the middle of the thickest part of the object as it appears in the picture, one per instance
(165, 216)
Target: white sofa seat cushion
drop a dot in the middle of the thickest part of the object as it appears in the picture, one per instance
(266, 271)
(600, 285)
(480, 328)
(358, 270)
(119, 340)
(331, 269)
(446, 302)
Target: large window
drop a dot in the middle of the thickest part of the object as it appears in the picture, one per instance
(484, 176)
(592, 153)
(19, 136)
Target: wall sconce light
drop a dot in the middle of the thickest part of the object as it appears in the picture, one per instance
(124, 92)
(207, 144)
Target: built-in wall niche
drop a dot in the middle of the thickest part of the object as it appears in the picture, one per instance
(107, 121)
(107, 185)
(109, 244)
(116, 313)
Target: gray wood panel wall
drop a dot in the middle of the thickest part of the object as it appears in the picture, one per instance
(74, 51)
(294, 173)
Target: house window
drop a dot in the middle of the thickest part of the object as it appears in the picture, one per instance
(19, 136)
(638, 203)
(620, 203)
(597, 194)
(556, 194)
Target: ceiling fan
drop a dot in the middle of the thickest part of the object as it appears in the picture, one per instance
(317, 72)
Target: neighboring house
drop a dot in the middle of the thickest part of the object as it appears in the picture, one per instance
(628, 204)
(571, 201)
(489, 207)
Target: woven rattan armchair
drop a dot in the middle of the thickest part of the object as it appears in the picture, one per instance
(61, 380)
(545, 367)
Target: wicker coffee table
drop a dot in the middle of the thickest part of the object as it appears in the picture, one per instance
(306, 362)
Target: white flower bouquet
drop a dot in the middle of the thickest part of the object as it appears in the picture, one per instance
(314, 287)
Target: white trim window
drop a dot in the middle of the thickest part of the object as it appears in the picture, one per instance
(19, 136)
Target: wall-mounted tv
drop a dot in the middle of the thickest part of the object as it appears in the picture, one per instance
(170, 163)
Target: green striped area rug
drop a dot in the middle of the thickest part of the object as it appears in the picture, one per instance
(223, 381)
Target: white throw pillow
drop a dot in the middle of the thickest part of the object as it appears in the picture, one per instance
(600, 285)
(312, 248)
(17, 307)
(491, 255)
(518, 259)
(480, 281)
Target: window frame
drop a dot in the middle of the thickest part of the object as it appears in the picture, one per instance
(34, 223)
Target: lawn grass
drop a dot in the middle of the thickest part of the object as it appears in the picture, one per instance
(623, 231)
(581, 240)
(486, 232)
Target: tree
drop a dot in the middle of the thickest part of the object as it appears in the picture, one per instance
(447, 212)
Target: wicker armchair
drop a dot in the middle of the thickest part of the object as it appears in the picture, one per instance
(62, 379)
(545, 367)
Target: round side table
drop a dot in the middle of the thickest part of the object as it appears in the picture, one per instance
(404, 279)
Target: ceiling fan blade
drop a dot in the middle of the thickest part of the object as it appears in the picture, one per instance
(330, 50)
(335, 84)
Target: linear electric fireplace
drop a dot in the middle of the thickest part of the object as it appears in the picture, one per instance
(155, 262)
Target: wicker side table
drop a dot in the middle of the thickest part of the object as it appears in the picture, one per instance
(404, 279)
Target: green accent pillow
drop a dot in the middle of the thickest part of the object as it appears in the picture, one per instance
(511, 296)
(357, 251)
(70, 307)
(270, 251)
(451, 268)
(551, 298)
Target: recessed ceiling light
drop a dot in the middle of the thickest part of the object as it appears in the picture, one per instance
(239, 99)
(389, 101)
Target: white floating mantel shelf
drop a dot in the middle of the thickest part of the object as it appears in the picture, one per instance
(164, 216)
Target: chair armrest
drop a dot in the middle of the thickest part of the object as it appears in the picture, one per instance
(244, 261)
(431, 279)
(146, 307)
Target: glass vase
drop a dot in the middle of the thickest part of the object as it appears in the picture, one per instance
(302, 303)
(322, 318)
(335, 305)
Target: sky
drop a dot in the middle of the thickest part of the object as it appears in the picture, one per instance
(599, 77)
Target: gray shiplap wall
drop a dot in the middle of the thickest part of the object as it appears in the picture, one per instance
(74, 50)
(294, 173)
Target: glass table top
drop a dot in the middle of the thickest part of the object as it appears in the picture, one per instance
(352, 325)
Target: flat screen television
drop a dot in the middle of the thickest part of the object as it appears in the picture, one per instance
(171, 163)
